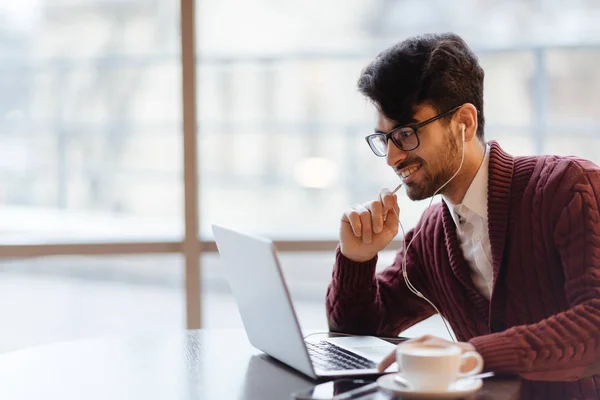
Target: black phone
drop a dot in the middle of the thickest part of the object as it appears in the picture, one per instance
(327, 390)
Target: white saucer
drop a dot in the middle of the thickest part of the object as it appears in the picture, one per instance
(458, 389)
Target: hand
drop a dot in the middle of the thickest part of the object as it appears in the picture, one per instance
(367, 229)
(428, 340)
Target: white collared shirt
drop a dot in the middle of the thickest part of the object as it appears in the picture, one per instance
(471, 221)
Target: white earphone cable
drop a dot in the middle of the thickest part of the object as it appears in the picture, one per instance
(409, 284)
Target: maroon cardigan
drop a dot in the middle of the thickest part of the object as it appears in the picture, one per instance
(543, 319)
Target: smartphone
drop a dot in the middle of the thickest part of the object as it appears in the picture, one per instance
(327, 390)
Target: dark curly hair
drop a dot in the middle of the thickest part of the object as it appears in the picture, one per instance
(435, 69)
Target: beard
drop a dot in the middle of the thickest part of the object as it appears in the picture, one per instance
(437, 174)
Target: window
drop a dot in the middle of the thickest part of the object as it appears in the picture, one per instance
(91, 136)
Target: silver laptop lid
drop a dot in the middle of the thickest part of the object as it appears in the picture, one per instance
(254, 275)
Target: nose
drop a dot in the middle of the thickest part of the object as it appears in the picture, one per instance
(395, 155)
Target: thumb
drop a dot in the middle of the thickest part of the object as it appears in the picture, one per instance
(387, 361)
(393, 217)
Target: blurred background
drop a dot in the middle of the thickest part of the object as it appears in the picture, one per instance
(91, 144)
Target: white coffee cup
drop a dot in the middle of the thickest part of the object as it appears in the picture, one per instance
(427, 367)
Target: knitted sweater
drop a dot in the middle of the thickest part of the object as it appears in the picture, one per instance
(543, 319)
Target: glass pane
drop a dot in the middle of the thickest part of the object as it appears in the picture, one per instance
(282, 126)
(90, 142)
(508, 98)
(577, 144)
(516, 142)
(52, 299)
(573, 81)
(573, 85)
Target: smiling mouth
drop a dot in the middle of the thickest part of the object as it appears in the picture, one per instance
(404, 174)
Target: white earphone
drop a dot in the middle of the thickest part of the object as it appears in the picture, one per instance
(462, 128)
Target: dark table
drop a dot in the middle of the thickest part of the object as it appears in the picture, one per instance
(204, 364)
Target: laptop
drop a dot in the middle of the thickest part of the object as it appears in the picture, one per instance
(254, 274)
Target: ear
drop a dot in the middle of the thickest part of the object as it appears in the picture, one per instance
(467, 115)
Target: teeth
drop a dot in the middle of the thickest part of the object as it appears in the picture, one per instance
(409, 172)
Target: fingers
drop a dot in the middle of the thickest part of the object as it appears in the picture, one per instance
(420, 339)
(351, 216)
(433, 341)
(391, 358)
(376, 209)
(387, 361)
(360, 219)
(388, 199)
(393, 218)
(370, 218)
(389, 202)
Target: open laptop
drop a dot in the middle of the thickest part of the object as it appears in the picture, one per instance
(256, 280)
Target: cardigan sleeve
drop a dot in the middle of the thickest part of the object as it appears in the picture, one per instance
(359, 301)
(565, 346)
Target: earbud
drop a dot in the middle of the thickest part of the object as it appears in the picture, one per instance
(462, 129)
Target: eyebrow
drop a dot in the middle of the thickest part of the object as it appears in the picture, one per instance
(411, 122)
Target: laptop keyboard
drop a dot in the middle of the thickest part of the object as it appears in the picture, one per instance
(329, 357)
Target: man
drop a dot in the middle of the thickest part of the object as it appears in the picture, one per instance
(510, 257)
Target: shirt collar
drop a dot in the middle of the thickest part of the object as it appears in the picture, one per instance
(476, 197)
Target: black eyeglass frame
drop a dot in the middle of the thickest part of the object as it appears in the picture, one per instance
(414, 127)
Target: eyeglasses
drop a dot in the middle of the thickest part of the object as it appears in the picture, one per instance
(404, 137)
